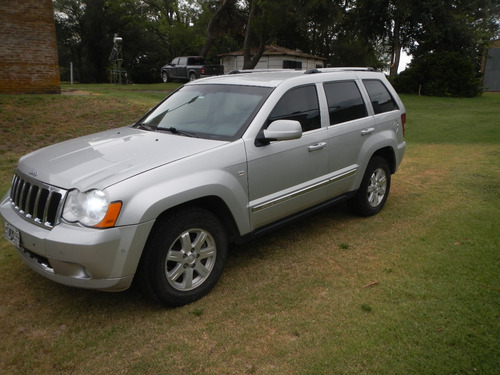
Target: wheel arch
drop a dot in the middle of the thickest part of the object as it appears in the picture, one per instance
(388, 154)
(216, 206)
(192, 72)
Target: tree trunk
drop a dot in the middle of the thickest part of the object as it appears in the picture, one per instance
(396, 49)
(214, 25)
(249, 61)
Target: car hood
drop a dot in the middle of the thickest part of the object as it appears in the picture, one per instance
(103, 159)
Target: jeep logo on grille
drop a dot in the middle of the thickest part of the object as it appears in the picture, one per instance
(34, 173)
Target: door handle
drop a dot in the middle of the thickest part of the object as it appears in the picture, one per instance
(317, 146)
(367, 131)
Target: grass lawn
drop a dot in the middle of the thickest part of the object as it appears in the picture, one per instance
(413, 290)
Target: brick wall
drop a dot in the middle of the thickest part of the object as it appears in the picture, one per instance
(28, 48)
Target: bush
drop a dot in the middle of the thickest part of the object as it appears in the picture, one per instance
(440, 74)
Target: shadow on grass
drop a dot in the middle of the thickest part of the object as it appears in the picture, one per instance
(268, 246)
(53, 298)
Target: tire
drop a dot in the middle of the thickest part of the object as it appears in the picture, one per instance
(374, 189)
(192, 77)
(183, 258)
(164, 77)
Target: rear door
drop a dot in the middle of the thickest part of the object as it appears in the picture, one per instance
(350, 125)
(359, 112)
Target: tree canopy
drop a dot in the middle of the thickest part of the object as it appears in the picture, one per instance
(344, 32)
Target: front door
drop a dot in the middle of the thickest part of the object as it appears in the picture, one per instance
(288, 176)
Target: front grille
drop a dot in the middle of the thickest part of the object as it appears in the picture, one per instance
(37, 202)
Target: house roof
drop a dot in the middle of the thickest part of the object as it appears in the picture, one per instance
(276, 51)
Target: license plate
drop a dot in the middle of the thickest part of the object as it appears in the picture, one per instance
(12, 235)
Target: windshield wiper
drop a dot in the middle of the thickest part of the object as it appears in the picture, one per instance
(177, 131)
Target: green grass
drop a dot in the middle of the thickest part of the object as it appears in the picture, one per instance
(413, 290)
(131, 93)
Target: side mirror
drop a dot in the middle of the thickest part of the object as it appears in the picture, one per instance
(282, 130)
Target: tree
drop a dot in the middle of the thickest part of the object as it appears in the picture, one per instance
(255, 31)
(224, 18)
(267, 21)
(347, 32)
(388, 23)
(450, 43)
(440, 73)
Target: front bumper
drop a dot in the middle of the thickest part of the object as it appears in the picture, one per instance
(103, 259)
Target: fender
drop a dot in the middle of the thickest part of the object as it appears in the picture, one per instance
(218, 173)
(382, 140)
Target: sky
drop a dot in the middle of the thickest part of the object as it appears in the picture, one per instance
(405, 60)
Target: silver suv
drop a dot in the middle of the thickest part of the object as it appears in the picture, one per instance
(219, 161)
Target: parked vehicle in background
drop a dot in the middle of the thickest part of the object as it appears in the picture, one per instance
(189, 68)
(219, 161)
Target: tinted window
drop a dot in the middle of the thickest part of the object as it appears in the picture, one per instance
(291, 64)
(196, 61)
(380, 97)
(344, 101)
(300, 104)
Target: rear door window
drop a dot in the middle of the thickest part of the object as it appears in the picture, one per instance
(381, 99)
(344, 101)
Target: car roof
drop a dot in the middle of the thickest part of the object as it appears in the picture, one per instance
(274, 77)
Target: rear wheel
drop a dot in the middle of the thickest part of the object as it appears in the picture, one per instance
(374, 188)
(164, 76)
(192, 77)
(184, 257)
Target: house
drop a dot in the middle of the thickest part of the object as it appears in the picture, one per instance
(491, 67)
(274, 57)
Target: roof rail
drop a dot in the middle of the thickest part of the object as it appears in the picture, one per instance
(339, 69)
(308, 71)
(243, 71)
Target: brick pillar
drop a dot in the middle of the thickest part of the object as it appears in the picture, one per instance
(28, 48)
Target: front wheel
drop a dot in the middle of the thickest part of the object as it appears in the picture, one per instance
(184, 257)
(374, 188)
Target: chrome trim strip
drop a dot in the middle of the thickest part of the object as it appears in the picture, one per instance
(343, 175)
(286, 197)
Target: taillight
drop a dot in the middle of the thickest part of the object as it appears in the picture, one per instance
(202, 71)
(403, 122)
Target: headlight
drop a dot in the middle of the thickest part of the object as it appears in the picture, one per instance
(90, 208)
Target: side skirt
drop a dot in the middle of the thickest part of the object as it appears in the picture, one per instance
(290, 219)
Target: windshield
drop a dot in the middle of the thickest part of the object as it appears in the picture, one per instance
(207, 111)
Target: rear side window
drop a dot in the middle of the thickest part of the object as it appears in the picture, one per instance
(344, 102)
(300, 104)
(380, 97)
